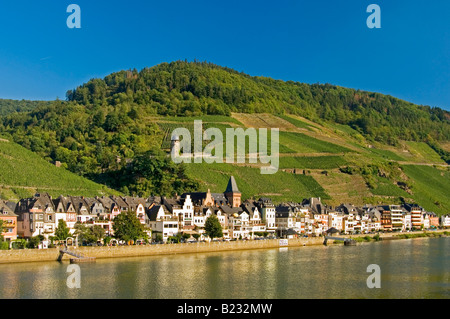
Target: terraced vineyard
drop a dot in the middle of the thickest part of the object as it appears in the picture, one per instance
(23, 173)
(314, 161)
(311, 156)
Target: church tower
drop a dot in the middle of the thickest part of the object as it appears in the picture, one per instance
(175, 146)
(232, 193)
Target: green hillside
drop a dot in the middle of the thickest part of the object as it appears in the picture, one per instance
(340, 144)
(8, 106)
(349, 172)
(23, 173)
(185, 89)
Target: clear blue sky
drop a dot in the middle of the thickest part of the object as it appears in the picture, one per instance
(306, 41)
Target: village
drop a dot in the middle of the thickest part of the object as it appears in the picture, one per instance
(186, 214)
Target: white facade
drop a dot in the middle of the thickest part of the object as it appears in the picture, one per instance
(186, 212)
(407, 221)
(335, 221)
(238, 225)
(445, 221)
(165, 223)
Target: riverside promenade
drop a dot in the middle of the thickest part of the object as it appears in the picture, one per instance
(52, 254)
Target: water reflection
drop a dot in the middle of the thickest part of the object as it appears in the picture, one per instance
(409, 269)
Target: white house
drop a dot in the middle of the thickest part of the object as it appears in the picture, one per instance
(407, 221)
(238, 225)
(182, 208)
(335, 220)
(267, 210)
(445, 221)
(161, 221)
(285, 219)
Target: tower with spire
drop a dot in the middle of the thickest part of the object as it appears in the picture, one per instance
(232, 193)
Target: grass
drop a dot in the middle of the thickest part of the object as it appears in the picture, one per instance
(421, 235)
(284, 186)
(360, 239)
(23, 173)
(423, 153)
(301, 143)
(385, 187)
(312, 162)
(386, 154)
(298, 123)
(280, 186)
(430, 187)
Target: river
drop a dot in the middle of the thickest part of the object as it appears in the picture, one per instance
(410, 268)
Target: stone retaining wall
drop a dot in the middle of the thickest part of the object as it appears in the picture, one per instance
(51, 254)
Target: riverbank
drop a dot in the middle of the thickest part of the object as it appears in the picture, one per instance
(51, 254)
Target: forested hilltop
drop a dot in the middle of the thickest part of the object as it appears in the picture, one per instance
(112, 130)
(8, 106)
(193, 89)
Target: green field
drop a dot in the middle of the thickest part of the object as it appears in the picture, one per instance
(386, 154)
(430, 187)
(385, 187)
(301, 143)
(23, 173)
(280, 186)
(320, 150)
(296, 122)
(312, 162)
(296, 149)
(423, 153)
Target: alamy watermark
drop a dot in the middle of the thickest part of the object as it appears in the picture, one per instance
(74, 19)
(374, 19)
(74, 279)
(374, 280)
(213, 152)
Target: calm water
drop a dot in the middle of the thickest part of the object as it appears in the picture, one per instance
(409, 269)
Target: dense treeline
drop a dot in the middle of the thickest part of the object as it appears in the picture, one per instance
(105, 127)
(8, 106)
(182, 88)
(150, 173)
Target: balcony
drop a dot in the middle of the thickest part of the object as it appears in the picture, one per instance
(13, 224)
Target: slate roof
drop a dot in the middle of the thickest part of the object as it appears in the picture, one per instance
(232, 186)
(152, 213)
(231, 210)
(5, 210)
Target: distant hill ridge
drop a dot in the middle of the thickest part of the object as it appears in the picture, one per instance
(198, 88)
(341, 144)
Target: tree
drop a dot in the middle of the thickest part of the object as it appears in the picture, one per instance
(128, 227)
(98, 232)
(62, 231)
(213, 228)
(1, 230)
(35, 241)
(158, 238)
(88, 234)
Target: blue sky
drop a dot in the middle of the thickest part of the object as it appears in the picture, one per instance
(306, 41)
